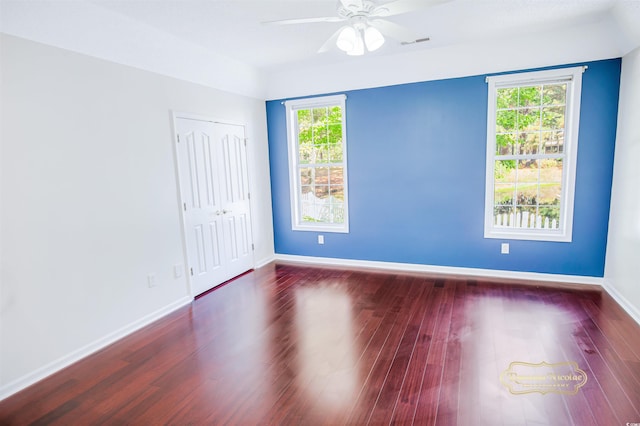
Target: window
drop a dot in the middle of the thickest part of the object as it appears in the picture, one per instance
(316, 134)
(532, 142)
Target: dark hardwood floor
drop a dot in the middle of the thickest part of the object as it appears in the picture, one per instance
(292, 344)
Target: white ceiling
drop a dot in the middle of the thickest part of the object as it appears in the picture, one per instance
(235, 29)
(224, 43)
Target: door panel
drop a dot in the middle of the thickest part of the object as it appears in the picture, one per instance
(233, 244)
(216, 239)
(243, 234)
(235, 166)
(200, 250)
(215, 193)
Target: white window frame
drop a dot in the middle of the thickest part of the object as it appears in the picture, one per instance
(573, 78)
(294, 176)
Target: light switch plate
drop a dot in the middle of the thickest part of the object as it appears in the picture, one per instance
(178, 270)
(151, 280)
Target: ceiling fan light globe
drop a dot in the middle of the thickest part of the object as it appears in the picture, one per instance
(358, 48)
(347, 39)
(373, 38)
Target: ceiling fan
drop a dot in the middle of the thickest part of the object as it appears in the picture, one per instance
(366, 26)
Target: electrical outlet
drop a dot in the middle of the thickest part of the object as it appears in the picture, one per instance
(504, 248)
(151, 280)
(320, 239)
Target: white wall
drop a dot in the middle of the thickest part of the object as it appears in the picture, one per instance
(89, 201)
(622, 269)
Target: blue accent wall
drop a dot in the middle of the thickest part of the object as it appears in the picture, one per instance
(416, 163)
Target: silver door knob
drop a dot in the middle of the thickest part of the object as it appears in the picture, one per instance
(226, 211)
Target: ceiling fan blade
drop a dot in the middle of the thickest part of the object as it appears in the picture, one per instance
(304, 20)
(331, 42)
(399, 7)
(392, 30)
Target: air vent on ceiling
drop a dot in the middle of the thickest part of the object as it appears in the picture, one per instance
(420, 40)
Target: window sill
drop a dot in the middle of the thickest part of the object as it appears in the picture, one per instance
(513, 234)
(342, 229)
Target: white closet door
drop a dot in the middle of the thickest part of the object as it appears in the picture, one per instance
(235, 199)
(215, 201)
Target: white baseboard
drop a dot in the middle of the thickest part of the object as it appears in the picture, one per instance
(622, 301)
(448, 270)
(262, 262)
(57, 365)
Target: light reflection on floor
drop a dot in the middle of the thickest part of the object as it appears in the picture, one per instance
(326, 354)
(498, 331)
